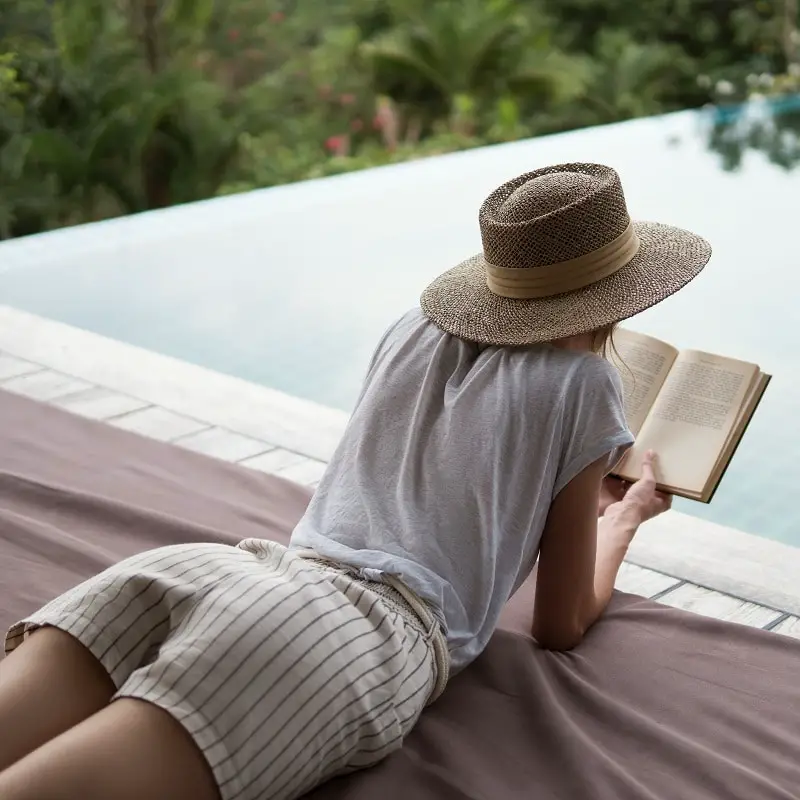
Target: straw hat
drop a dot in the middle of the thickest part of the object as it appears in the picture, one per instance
(560, 257)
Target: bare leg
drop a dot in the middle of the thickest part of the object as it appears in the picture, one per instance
(127, 751)
(48, 684)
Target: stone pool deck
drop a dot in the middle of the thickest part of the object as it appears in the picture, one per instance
(677, 559)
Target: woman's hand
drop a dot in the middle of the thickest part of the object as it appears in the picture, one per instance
(612, 490)
(641, 498)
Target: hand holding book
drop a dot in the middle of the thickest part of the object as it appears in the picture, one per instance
(691, 407)
(643, 495)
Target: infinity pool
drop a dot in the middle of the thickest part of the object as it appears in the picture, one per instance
(292, 286)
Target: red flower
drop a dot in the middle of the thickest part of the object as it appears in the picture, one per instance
(357, 125)
(233, 34)
(347, 99)
(325, 91)
(277, 16)
(336, 145)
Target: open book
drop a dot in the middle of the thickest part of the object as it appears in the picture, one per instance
(691, 407)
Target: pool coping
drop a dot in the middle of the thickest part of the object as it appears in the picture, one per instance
(699, 552)
(247, 408)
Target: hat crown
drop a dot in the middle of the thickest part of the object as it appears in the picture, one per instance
(545, 194)
(553, 215)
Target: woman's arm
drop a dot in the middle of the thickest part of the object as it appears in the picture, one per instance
(580, 556)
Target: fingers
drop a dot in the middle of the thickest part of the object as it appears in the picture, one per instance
(615, 487)
(663, 502)
(648, 467)
(618, 488)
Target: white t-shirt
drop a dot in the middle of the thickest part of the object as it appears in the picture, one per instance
(450, 461)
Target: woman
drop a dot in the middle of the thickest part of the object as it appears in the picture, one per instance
(479, 446)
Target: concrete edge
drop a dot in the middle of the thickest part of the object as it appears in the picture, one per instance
(272, 416)
(727, 560)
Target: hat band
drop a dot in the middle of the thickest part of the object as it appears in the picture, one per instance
(529, 283)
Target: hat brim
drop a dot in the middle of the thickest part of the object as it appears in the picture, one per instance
(460, 302)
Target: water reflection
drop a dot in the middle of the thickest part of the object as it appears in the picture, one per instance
(771, 127)
(291, 287)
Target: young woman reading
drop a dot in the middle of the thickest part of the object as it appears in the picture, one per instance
(479, 447)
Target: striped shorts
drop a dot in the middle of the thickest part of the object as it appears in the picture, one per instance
(285, 670)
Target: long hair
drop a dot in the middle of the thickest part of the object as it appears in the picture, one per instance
(603, 345)
(603, 340)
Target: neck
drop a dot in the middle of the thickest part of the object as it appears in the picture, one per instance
(583, 342)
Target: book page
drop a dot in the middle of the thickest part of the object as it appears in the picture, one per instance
(692, 418)
(643, 362)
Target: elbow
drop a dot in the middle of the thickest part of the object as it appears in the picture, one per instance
(559, 640)
(559, 644)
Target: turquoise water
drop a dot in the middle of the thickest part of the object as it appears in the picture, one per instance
(292, 286)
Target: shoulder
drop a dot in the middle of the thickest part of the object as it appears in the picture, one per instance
(594, 374)
(408, 325)
(593, 403)
(575, 373)
(412, 328)
(591, 391)
(593, 418)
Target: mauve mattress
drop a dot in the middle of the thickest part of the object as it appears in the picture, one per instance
(655, 703)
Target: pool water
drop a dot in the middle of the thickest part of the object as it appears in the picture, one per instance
(292, 286)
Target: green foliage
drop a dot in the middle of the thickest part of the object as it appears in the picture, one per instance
(119, 106)
(117, 117)
(454, 58)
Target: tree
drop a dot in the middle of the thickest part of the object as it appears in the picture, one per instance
(117, 106)
(720, 39)
(455, 58)
(119, 115)
(628, 79)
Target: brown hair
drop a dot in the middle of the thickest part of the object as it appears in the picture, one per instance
(603, 340)
(603, 345)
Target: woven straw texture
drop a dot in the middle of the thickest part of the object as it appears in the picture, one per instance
(546, 217)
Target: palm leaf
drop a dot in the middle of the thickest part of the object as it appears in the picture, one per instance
(400, 50)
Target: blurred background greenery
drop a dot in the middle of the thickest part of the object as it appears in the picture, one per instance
(112, 107)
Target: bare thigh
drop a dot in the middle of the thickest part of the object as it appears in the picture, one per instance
(48, 685)
(129, 750)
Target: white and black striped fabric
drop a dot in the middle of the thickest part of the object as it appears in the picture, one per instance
(284, 671)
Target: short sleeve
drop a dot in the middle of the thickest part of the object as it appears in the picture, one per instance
(594, 423)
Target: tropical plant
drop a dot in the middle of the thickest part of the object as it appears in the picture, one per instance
(455, 59)
(119, 113)
(118, 106)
